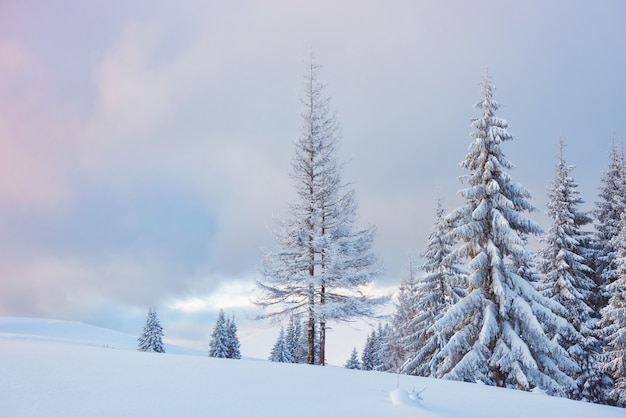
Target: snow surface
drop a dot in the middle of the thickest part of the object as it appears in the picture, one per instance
(68, 369)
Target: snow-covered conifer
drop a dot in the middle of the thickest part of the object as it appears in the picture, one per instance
(219, 344)
(402, 318)
(498, 329)
(383, 348)
(567, 278)
(152, 337)
(280, 352)
(613, 322)
(608, 214)
(296, 344)
(369, 360)
(323, 264)
(232, 342)
(353, 362)
(440, 285)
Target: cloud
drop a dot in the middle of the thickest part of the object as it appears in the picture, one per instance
(67, 287)
(33, 140)
(12, 57)
(145, 160)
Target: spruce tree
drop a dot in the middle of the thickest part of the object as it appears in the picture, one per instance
(383, 348)
(280, 352)
(498, 329)
(232, 343)
(567, 278)
(151, 340)
(406, 310)
(219, 344)
(353, 362)
(369, 360)
(613, 322)
(323, 264)
(440, 285)
(608, 215)
(294, 340)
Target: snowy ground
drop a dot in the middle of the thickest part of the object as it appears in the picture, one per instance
(68, 369)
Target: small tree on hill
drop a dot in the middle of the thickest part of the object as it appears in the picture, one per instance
(296, 341)
(151, 340)
(384, 348)
(219, 345)
(280, 352)
(232, 339)
(369, 356)
(353, 362)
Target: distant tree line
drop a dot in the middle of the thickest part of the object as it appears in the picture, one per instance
(224, 341)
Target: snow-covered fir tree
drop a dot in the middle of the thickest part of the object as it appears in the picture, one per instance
(567, 278)
(613, 322)
(232, 342)
(375, 355)
(369, 355)
(296, 341)
(608, 214)
(353, 362)
(280, 352)
(384, 349)
(219, 345)
(151, 339)
(440, 285)
(323, 264)
(498, 329)
(401, 321)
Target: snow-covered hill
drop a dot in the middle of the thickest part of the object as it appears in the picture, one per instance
(65, 369)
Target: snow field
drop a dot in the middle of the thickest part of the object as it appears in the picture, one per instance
(55, 375)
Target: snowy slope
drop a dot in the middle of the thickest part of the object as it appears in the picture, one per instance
(71, 332)
(65, 369)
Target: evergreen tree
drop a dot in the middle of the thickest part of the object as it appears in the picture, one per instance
(296, 345)
(304, 345)
(383, 349)
(567, 278)
(406, 310)
(232, 339)
(219, 344)
(608, 214)
(353, 362)
(280, 352)
(323, 264)
(438, 288)
(498, 329)
(152, 337)
(369, 360)
(613, 322)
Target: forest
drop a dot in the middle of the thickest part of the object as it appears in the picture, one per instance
(482, 306)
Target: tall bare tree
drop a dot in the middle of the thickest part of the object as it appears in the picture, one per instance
(323, 264)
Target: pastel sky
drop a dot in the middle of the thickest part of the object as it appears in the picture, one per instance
(145, 145)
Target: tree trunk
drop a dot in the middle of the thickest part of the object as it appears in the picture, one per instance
(322, 343)
(311, 336)
(323, 331)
